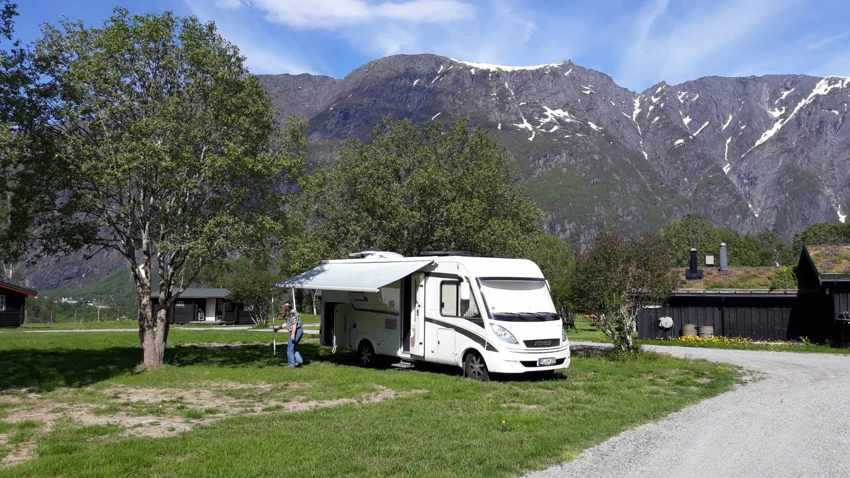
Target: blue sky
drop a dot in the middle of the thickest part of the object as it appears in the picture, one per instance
(638, 43)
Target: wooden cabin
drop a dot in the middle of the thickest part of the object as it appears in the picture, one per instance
(733, 301)
(818, 309)
(205, 304)
(824, 277)
(13, 301)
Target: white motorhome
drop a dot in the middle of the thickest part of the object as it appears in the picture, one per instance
(485, 315)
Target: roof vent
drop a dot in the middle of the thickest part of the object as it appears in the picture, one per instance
(693, 272)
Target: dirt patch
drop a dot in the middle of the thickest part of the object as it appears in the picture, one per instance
(166, 412)
(704, 380)
(522, 406)
(19, 454)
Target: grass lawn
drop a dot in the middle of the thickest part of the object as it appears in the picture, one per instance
(73, 405)
(126, 324)
(586, 331)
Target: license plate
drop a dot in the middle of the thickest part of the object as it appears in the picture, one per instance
(546, 361)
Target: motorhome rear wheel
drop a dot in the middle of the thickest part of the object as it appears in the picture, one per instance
(366, 353)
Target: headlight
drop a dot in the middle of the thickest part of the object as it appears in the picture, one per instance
(503, 334)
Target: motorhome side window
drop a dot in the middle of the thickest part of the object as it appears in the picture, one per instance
(452, 305)
(448, 298)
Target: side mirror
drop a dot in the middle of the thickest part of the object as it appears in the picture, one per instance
(465, 292)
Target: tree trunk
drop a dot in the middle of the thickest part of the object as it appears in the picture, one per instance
(153, 332)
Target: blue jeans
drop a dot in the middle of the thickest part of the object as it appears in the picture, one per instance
(292, 356)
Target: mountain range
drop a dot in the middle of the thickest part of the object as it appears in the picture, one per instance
(756, 153)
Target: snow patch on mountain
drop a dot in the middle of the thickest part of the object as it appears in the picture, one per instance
(726, 151)
(635, 112)
(784, 94)
(556, 114)
(508, 68)
(726, 123)
(776, 112)
(701, 128)
(823, 87)
(594, 127)
(526, 125)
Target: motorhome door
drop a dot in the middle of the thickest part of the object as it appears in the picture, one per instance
(417, 315)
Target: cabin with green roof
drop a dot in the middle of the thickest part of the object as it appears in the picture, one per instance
(823, 275)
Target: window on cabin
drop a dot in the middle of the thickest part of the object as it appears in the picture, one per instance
(2, 303)
(448, 298)
(451, 304)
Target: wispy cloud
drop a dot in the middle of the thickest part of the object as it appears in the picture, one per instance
(828, 40)
(677, 45)
(637, 42)
(261, 55)
(324, 14)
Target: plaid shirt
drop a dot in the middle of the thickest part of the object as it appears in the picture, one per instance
(293, 319)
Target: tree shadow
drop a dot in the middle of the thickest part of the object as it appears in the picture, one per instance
(43, 370)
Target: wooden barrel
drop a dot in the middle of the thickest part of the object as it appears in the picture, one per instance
(689, 330)
(706, 331)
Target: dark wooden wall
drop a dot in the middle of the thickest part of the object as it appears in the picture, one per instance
(13, 316)
(757, 317)
(234, 312)
(841, 303)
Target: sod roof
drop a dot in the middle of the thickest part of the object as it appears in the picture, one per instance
(831, 258)
(734, 278)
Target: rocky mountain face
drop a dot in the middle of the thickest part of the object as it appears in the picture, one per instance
(754, 153)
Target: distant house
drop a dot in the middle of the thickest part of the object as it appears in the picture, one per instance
(204, 304)
(13, 300)
(824, 278)
(819, 308)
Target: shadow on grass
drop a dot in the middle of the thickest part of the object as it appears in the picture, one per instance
(44, 370)
(393, 363)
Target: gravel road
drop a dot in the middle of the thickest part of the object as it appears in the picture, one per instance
(794, 421)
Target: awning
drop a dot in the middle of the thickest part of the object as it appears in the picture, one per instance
(355, 276)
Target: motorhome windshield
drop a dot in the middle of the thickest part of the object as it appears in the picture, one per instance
(520, 300)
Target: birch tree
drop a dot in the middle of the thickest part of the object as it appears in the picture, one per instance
(167, 153)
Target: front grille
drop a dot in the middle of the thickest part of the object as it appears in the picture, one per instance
(533, 363)
(538, 343)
